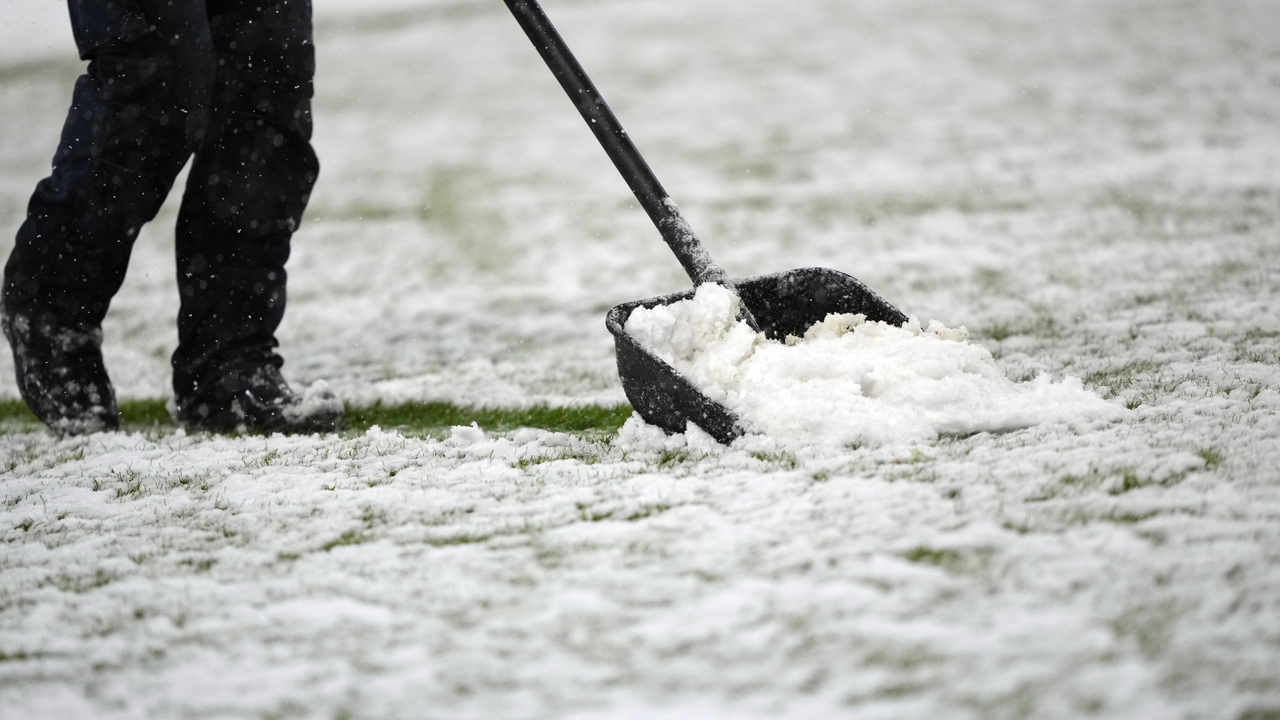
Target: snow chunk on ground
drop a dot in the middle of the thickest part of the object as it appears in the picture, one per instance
(852, 381)
(317, 401)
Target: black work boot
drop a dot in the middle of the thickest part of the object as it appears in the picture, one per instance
(60, 373)
(254, 397)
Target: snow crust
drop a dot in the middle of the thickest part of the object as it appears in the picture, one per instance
(851, 381)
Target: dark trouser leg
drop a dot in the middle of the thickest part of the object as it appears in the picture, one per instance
(135, 117)
(248, 187)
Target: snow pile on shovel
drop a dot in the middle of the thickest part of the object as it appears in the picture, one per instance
(852, 381)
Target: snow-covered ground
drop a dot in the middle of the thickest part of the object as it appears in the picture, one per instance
(1092, 188)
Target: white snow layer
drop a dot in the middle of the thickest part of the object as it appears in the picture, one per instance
(851, 381)
(1090, 187)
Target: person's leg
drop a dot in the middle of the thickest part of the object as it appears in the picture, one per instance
(136, 115)
(249, 184)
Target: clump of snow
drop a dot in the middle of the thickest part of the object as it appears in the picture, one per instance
(852, 381)
(317, 400)
(636, 435)
(466, 435)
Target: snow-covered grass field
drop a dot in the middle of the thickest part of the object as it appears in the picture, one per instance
(1092, 188)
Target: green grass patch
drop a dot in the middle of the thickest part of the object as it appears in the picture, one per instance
(80, 584)
(348, 537)
(424, 418)
(1131, 481)
(943, 557)
(16, 656)
(1212, 457)
(134, 414)
(1128, 517)
(999, 332)
(1114, 380)
(952, 561)
(671, 458)
(585, 457)
(15, 411)
(427, 417)
(1040, 326)
(779, 459)
(465, 538)
(144, 412)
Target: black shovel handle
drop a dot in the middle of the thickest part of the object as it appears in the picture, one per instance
(653, 198)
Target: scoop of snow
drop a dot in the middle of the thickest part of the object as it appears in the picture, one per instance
(852, 381)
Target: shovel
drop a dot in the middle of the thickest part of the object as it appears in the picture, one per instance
(782, 304)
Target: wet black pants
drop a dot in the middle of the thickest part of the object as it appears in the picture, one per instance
(227, 80)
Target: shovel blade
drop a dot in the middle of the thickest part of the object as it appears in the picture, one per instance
(785, 303)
